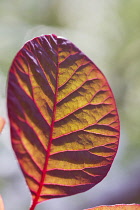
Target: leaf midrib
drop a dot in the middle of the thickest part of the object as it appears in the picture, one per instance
(35, 201)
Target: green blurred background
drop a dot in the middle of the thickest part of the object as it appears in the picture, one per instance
(108, 32)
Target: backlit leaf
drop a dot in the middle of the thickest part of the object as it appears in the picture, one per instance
(117, 207)
(63, 117)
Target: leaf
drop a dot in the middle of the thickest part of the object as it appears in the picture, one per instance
(118, 207)
(2, 123)
(1, 203)
(63, 118)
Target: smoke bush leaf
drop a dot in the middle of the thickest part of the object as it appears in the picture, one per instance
(63, 118)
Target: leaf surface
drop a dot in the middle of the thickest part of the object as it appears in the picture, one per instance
(63, 118)
(118, 207)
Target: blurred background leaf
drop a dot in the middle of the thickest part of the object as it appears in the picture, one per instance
(108, 32)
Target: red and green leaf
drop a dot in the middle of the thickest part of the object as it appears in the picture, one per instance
(63, 118)
(118, 207)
